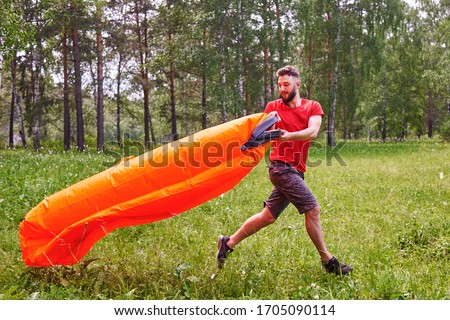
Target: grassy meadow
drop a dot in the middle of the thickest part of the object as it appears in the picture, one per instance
(385, 211)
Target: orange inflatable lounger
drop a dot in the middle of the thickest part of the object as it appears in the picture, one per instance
(153, 186)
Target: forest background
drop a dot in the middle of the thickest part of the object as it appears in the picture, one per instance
(90, 72)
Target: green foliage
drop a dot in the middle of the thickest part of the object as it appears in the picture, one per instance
(224, 56)
(384, 211)
(15, 31)
(445, 131)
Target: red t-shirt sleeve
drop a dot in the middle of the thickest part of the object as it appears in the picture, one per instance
(316, 110)
(270, 107)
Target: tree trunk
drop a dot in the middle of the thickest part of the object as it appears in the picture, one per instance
(78, 96)
(118, 101)
(310, 67)
(20, 120)
(223, 78)
(345, 127)
(146, 92)
(266, 76)
(37, 61)
(331, 117)
(448, 100)
(173, 109)
(330, 58)
(13, 99)
(66, 93)
(184, 104)
(280, 34)
(272, 82)
(204, 112)
(43, 106)
(430, 128)
(1, 61)
(172, 102)
(265, 42)
(404, 123)
(100, 115)
(384, 109)
(430, 114)
(143, 49)
(26, 79)
(144, 76)
(240, 58)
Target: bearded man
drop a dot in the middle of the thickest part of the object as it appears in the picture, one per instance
(299, 122)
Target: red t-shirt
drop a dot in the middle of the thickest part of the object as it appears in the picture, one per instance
(294, 153)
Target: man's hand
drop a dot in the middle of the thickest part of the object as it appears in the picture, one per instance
(274, 113)
(285, 136)
(305, 134)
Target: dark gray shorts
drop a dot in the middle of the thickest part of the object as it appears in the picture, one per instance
(289, 187)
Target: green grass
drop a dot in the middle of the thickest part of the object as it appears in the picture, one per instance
(385, 211)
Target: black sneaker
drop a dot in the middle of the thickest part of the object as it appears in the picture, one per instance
(334, 266)
(222, 250)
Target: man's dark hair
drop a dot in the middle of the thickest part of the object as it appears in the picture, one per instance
(288, 70)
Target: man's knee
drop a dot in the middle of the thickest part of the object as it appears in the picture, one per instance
(313, 212)
(267, 216)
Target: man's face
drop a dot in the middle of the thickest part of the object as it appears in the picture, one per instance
(287, 85)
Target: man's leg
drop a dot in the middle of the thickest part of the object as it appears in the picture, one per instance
(277, 202)
(314, 229)
(251, 226)
(291, 184)
(329, 263)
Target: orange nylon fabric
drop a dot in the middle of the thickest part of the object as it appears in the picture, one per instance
(153, 186)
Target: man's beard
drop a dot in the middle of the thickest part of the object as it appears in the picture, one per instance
(290, 97)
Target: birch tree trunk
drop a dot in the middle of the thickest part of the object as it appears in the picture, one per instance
(448, 100)
(119, 101)
(20, 120)
(13, 99)
(384, 108)
(1, 61)
(142, 34)
(223, 77)
(240, 58)
(204, 111)
(37, 62)
(430, 113)
(280, 34)
(184, 104)
(66, 93)
(204, 63)
(173, 109)
(265, 41)
(331, 116)
(78, 96)
(100, 115)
